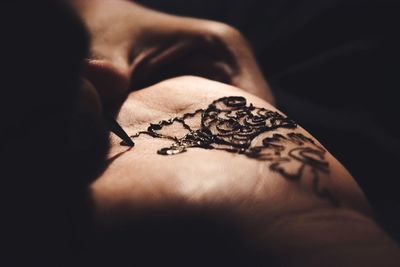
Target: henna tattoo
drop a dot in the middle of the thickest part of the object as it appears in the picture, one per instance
(279, 151)
(229, 124)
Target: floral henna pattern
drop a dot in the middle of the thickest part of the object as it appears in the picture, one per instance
(301, 153)
(231, 125)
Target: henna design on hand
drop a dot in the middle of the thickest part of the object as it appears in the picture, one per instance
(231, 125)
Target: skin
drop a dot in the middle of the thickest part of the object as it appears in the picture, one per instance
(278, 216)
(177, 173)
(134, 48)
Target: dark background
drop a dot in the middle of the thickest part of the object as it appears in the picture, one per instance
(333, 66)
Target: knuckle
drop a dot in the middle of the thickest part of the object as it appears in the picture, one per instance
(226, 32)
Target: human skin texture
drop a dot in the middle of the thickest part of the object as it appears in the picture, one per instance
(295, 204)
(286, 219)
(133, 47)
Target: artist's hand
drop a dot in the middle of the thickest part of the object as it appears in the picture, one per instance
(133, 47)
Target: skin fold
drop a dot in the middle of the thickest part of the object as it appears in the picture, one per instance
(133, 47)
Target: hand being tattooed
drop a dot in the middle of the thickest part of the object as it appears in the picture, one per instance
(216, 153)
(228, 124)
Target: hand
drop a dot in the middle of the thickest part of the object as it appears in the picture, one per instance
(203, 176)
(133, 47)
(279, 202)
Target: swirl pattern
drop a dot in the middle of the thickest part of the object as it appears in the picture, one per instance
(231, 125)
(227, 123)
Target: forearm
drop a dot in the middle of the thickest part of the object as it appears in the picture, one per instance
(327, 237)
